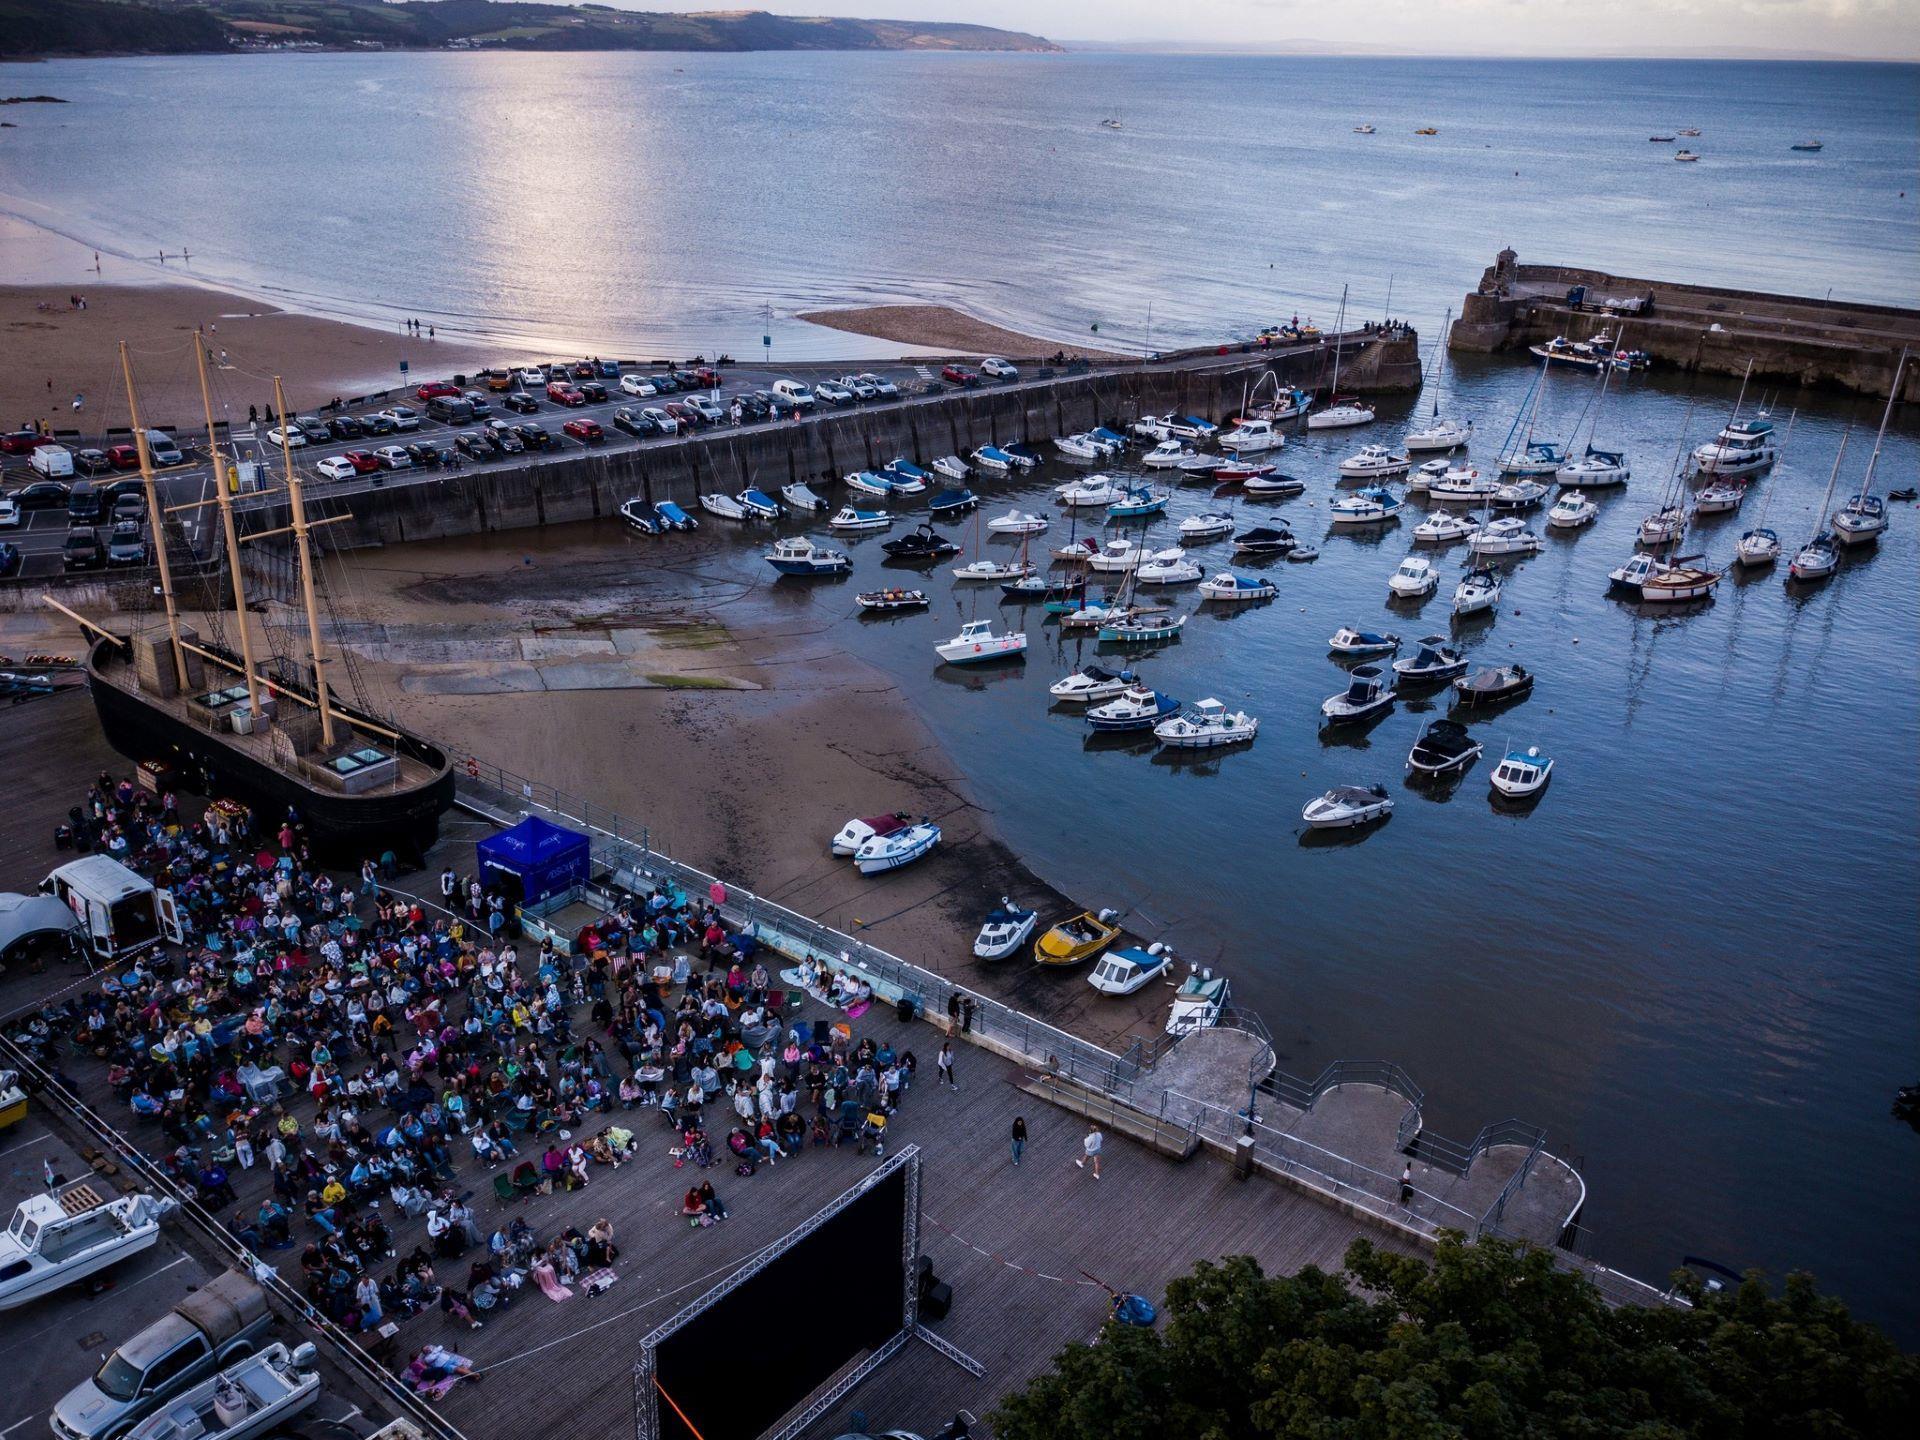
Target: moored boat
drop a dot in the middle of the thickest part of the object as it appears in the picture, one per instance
(1759, 546)
(1369, 693)
(759, 505)
(798, 555)
(1264, 540)
(1138, 628)
(952, 502)
(1493, 685)
(1443, 747)
(1349, 641)
(892, 599)
(1375, 461)
(976, 644)
(951, 466)
(1091, 684)
(1208, 525)
(1571, 510)
(1415, 577)
(1478, 590)
(889, 852)
(725, 506)
(1677, 581)
(856, 832)
(1436, 659)
(1374, 505)
(1075, 941)
(1230, 588)
(1126, 970)
(1522, 774)
(1347, 806)
(801, 498)
(1206, 726)
(1004, 931)
(848, 518)
(1016, 522)
(923, 542)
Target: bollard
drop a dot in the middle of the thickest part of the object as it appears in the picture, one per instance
(1243, 1156)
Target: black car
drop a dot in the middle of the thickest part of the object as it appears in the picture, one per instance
(127, 545)
(755, 405)
(522, 401)
(128, 506)
(472, 446)
(595, 392)
(425, 456)
(376, 424)
(41, 495)
(534, 437)
(82, 549)
(663, 384)
(629, 419)
(504, 438)
(84, 504)
(345, 427)
(114, 491)
(92, 462)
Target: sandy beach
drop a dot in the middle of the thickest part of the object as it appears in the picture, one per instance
(944, 330)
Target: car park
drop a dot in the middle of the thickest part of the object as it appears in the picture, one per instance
(629, 419)
(10, 516)
(378, 424)
(587, 432)
(999, 369)
(337, 467)
(472, 445)
(127, 545)
(662, 422)
(345, 427)
(882, 386)
(535, 437)
(289, 435)
(393, 457)
(522, 402)
(85, 505)
(82, 551)
(402, 417)
(41, 495)
(959, 375)
(91, 462)
(562, 392)
(832, 392)
(434, 388)
(636, 385)
(482, 407)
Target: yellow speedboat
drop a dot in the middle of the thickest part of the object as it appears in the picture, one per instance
(1081, 938)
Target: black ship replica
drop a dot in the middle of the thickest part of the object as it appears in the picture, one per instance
(275, 735)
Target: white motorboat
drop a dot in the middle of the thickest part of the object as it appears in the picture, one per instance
(1376, 461)
(1208, 525)
(869, 482)
(802, 499)
(1571, 510)
(1675, 582)
(1478, 590)
(1443, 527)
(798, 555)
(1664, 526)
(1522, 773)
(1757, 547)
(1167, 454)
(1198, 1003)
(759, 505)
(1272, 484)
(1152, 427)
(1250, 435)
(1436, 659)
(1743, 447)
(1719, 497)
(1686, 157)
(1595, 470)
(1415, 577)
(1371, 506)
(1346, 806)
(1349, 641)
(1117, 557)
(1860, 521)
(1522, 494)
(1077, 552)
(1440, 434)
(1139, 627)
(976, 644)
(1093, 490)
(1017, 522)
(952, 466)
(992, 572)
(1462, 485)
(848, 839)
(1004, 931)
(1287, 403)
(1190, 427)
(1233, 589)
(1508, 535)
(1122, 972)
(66, 1235)
(1207, 725)
(907, 477)
(1638, 567)
(1443, 747)
(1369, 693)
(1420, 476)
(1201, 466)
(1363, 129)
(992, 457)
(1091, 684)
(1341, 415)
(1138, 707)
(848, 518)
(725, 506)
(1167, 567)
(255, 1396)
(1077, 447)
(889, 852)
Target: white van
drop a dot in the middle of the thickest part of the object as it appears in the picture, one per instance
(121, 912)
(792, 392)
(53, 461)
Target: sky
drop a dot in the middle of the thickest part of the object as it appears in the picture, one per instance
(1876, 29)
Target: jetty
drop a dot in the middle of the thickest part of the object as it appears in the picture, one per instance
(1823, 344)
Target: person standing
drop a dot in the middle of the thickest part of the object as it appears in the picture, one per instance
(943, 1065)
(1090, 1147)
(1406, 1184)
(1019, 1142)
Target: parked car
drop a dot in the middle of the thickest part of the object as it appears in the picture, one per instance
(705, 377)
(345, 427)
(608, 369)
(533, 377)
(883, 387)
(595, 392)
(832, 392)
(380, 424)
(123, 457)
(23, 442)
(290, 435)
(754, 405)
(317, 432)
(534, 436)
(82, 549)
(582, 369)
(858, 388)
(662, 422)
(629, 419)
(471, 445)
(162, 449)
(561, 392)
(587, 432)
(393, 457)
(499, 380)
(84, 504)
(336, 467)
(709, 411)
(959, 375)
(10, 516)
(688, 417)
(128, 505)
(482, 407)
(41, 495)
(504, 438)
(9, 558)
(92, 462)
(423, 455)
(663, 384)
(432, 388)
(999, 369)
(127, 545)
(364, 462)
(451, 410)
(54, 462)
(637, 385)
(402, 417)
(522, 402)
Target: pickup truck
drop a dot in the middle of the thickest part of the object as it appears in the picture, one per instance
(222, 1321)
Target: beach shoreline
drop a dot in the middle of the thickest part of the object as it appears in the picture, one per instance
(945, 331)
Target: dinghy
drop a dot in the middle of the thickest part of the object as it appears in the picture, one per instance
(1207, 726)
(800, 498)
(797, 555)
(1091, 684)
(922, 543)
(1079, 939)
(1300, 554)
(976, 644)
(1492, 686)
(855, 833)
(1349, 641)
(1122, 972)
(1198, 1003)
(883, 600)
(848, 518)
(1017, 522)
(1443, 747)
(1237, 589)
(1478, 590)
(1522, 774)
(1346, 806)
(1435, 660)
(1138, 707)
(1368, 694)
(1415, 577)
(889, 852)
(1371, 506)
(1004, 931)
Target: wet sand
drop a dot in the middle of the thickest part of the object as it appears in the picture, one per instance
(943, 329)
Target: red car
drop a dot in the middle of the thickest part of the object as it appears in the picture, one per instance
(123, 457)
(959, 375)
(587, 432)
(363, 461)
(561, 393)
(24, 442)
(436, 387)
(704, 376)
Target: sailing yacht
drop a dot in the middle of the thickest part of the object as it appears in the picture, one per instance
(1862, 519)
(1596, 469)
(1439, 433)
(1820, 556)
(1530, 456)
(1342, 411)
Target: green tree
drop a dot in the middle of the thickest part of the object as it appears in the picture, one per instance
(1484, 1342)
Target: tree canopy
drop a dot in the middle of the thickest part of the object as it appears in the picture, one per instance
(1487, 1340)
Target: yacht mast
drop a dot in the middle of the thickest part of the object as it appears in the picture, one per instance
(1820, 522)
(153, 520)
(1339, 332)
(1440, 362)
(301, 549)
(1873, 461)
(220, 473)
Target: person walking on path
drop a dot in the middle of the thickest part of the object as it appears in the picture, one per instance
(943, 1065)
(1406, 1184)
(1019, 1142)
(1091, 1145)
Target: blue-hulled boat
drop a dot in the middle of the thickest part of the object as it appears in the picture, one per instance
(797, 555)
(1137, 504)
(953, 502)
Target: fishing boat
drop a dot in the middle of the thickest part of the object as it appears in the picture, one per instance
(1863, 519)
(848, 839)
(1661, 139)
(976, 644)
(1346, 806)
(892, 599)
(1004, 931)
(1506, 536)
(1167, 567)
(991, 572)
(1638, 567)
(1207, 726)
(1117, 557)
(1719, 498)
(1462, 485)
(1349, 641)
(1167, 454)
(1139, 628)
(1571, 510)
(1198, 1004)
(1077, 447)
(1443, 527)
(1443, 747)
(1016, 522)
(1685, 157)
(1595, 354)
(848, 518)
(1757, 547)
(1493, 685)
(1091, 684)
(1415, 577)
(1250, 433)
(1264, 540)
(921, 543)
(1440, 432)
(1137, 504)
(725, 506)
(672, 517)
(1207, 525)
(256, 1396)
(952, 467)
(1124, 971)
(1522, 494)
(889, 852)
(1435, 660)
(1369, 693)
(799, 497)
(798, 555)
(1075, 941)
(907, 477)
(1522, 773)
(1229, 588)
(1690, 134)
(1271, 483)
(70, 1233)
(1374, 505)
(1363, 129)
(759, 505)
(992, 457)
(1376, 461)
(1094, 490)
(868, 482)
(1152, 427)
(1676, 581)
(952, 502)
(1479, 589)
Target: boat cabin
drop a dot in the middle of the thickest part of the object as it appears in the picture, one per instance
(58, 1227)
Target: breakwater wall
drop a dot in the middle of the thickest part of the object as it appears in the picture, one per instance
(1794, 340)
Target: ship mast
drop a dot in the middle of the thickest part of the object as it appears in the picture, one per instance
(153, 520)
(301, 549)
(226, 521)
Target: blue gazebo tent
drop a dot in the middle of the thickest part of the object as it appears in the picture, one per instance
(535, 857)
